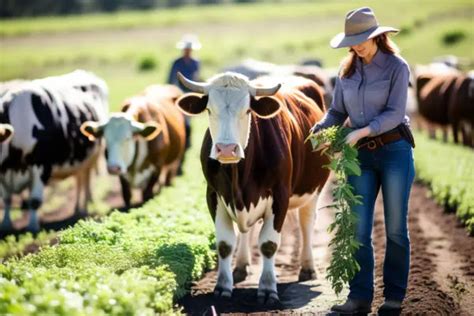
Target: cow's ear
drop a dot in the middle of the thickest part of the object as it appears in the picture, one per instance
(265, 107)
(92, 130)
(6, 131)
(149, 130)
(192, 103)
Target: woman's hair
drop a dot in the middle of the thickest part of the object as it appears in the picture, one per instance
(383, 42)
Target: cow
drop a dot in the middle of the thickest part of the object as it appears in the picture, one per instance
(461, 109)
(257, 166)
(6, 132)
(47, 144)
(254, 69)
(145, 141)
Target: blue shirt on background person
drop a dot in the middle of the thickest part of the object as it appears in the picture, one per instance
(375, 95)
(188, 66)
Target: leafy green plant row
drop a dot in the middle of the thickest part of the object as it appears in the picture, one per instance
(137, 263)
(448, 169)
(17, 246)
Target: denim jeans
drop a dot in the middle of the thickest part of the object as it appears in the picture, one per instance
(390, 167)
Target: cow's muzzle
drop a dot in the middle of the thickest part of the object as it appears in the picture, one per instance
(114, 170)
(227, 153)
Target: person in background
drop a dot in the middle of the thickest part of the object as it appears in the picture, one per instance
(371, 90)
(189, 67)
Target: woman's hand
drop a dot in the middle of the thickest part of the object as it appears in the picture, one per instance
(353, 137)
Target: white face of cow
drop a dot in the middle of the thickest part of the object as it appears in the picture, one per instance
(229, 123)
(120, 132)
(229, 100)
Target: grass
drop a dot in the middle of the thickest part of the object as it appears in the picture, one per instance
(223, 14)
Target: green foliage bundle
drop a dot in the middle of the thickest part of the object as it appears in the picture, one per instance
(343, 162)
(448, 170)
(136, 263)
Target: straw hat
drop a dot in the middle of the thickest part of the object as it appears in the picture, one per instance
(189, 41)
(360, 25)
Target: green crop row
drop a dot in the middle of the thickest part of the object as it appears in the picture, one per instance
(135, 263)
(448, 170)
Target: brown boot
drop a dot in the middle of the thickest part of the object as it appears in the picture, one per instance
(352, 306)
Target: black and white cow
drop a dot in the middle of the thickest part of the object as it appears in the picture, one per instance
(46, 115)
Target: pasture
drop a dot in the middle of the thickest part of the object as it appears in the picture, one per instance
(160, 252)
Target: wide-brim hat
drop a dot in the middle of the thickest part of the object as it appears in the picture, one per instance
(360, 25)
(189, 41)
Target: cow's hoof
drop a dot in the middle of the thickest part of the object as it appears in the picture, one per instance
(240, 274)
(267, 298)
(222, 293)
(306, 275)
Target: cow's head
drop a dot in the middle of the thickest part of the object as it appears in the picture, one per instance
(120, 132)
(6, 132)
(229, 99)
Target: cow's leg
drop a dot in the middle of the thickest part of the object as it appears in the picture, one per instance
(268, 243)
(225, 241)
(455, 129)
(36, 199)
(126, 191)
(79, 191)
(7, 221)
(87, 186)
(242, 262)
(307, 216)
(147, 193)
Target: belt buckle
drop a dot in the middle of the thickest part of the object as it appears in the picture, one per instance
(372, 145)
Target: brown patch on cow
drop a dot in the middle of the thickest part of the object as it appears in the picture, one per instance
(268, 249)
(224, 249)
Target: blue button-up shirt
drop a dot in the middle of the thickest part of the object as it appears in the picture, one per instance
(375, 95)
(188, 67)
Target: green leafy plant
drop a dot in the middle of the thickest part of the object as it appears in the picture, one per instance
(448, 170)
(343, 162)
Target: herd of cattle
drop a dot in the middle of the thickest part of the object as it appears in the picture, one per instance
(253, 156)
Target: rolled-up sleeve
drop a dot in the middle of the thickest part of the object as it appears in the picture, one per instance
(394, 112)
(336, 114)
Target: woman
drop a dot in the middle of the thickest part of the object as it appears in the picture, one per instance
(371, 91)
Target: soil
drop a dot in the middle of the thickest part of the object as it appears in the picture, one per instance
(441, 278)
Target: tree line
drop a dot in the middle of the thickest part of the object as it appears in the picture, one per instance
(31, 8)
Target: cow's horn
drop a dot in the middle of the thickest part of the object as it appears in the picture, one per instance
(262, 92)
(193, 85)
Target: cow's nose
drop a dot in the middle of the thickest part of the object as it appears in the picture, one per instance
(226, 150)
(115, 170)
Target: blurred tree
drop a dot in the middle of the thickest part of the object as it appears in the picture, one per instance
(108, 5)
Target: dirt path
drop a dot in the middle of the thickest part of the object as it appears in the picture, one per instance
(441, 280)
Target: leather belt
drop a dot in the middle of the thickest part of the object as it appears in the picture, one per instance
(372, 143)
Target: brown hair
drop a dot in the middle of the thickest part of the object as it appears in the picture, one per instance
(383, 42)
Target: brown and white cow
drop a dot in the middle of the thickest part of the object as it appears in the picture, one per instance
(6, 132)
(257, 166)
(47, 145)
(145, 141)
(461, 109)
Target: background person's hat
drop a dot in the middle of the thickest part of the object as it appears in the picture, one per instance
(360, 26)
(189, 41)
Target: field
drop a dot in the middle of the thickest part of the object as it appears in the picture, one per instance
(155, 252)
